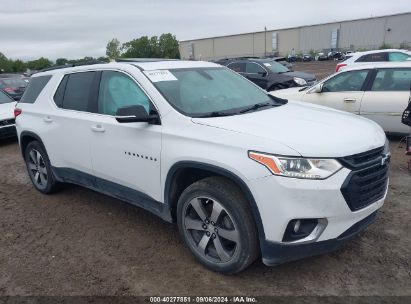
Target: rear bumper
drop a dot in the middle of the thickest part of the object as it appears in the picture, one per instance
(8, 131)
(278, 253)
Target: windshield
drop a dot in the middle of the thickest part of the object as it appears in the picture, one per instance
(206, 92)
(276, 67)
(4, 98)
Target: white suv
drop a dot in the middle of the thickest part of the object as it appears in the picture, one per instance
(360, 58)
(242, 173)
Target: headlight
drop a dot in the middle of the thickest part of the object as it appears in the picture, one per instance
(299, 81)
(308, 168)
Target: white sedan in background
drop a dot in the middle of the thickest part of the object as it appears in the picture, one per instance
(378, 91)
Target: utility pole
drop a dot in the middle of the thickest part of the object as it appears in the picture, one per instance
(265, 41)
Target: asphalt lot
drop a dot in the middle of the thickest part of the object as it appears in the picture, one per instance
(78, 242)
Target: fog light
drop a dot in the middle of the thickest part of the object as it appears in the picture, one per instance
(298, 229)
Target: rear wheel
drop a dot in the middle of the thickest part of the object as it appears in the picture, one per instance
(39, 168)
(215, 221)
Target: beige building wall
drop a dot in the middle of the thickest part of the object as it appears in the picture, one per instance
(366, 33)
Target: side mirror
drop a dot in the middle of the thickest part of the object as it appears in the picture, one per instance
(135, 113)
(318, 88)
(262, 73)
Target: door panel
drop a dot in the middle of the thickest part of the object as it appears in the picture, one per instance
(344, 101)
(127, 154)
(386, 109)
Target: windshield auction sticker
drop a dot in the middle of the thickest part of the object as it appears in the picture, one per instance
(160, 75)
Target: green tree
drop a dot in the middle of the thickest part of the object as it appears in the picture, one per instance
(61, 61)
(154, 47)
(168, 46)
(18, 66)
(113, 49)
(39, 64)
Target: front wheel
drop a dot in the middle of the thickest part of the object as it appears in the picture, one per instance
(215, 221)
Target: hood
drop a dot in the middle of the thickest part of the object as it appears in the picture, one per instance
(292, 93)
(305, 76)
(7, 110)
(313, 131)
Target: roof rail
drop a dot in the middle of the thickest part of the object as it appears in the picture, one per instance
(144, 59)
(70, 65)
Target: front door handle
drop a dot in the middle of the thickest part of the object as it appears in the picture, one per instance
(98, 128)
(350, 100)
(47, 119)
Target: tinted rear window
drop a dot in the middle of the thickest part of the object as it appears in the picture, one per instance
(78, 90)
(33, 90)
(4, 98)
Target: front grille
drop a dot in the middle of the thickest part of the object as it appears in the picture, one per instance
(7, 122)
(365, 186)
(364, 159)
(368, 180)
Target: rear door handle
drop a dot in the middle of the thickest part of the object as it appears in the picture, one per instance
(47, 119)
(98, 128)
(349, 100)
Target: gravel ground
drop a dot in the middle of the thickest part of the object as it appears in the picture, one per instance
(79, 242)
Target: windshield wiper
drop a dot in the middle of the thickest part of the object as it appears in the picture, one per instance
(258, 106)
(216, 114)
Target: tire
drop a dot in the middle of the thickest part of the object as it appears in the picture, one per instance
(216, 224)
(39, 168)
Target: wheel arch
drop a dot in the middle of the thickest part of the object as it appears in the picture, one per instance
(197, 170)
(26, 137)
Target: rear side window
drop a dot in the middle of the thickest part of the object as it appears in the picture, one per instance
(376, 57)
(238, 67)
(392, 80)
(253, 68)
(75, 91)
(33, 90)
(4, 98)
(397, 56)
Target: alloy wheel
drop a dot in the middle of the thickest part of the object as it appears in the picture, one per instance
(210, 229)
(37, 169)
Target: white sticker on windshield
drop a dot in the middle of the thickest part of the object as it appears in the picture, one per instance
(160, 75)
(267, 64)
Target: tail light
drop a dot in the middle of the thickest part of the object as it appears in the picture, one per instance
(17, 112)
(339, 66)
(9, 90)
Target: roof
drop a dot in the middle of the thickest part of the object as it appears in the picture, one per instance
(372, 65)
(142, 64)
(378, 51)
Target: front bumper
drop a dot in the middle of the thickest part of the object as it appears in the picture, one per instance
(275, 253)
(281, 199)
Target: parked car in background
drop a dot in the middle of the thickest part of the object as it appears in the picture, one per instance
(283, 61)
(14, 86)
(378, 91)
(242, 173)
(335, 55)
(307, 57)
(320, 56)
(7, 124)
(374, 56)
(294, 58)
(269, 74)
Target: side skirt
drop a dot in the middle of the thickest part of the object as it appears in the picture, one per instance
(115, 190)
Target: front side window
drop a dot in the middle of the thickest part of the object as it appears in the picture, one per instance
(4, 98)
(253, 68)
(199, 92)
(347, 81)
(397, 56)
(392, 80)
(78, 91)
(118, 90)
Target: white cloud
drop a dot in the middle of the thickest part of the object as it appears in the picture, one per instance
(75, 28)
